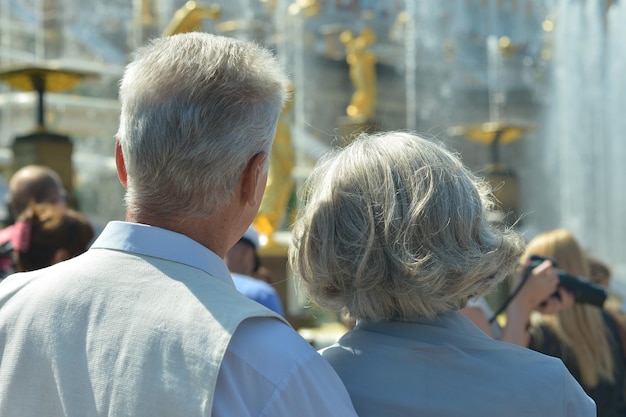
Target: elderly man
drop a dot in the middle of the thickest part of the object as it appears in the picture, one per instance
(148, 322)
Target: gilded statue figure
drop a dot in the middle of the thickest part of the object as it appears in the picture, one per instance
(362, 63)
(280, 183)
(189, 18)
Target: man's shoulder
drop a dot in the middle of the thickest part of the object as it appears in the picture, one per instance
(274, 369)
(272, 334)
(268, 343)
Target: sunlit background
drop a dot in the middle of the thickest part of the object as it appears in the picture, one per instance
(531, 93)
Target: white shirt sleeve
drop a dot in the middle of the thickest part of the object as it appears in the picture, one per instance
(271, 371)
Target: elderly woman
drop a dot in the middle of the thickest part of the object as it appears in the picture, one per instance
(393, 230)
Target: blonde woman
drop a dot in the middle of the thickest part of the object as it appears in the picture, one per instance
(393, 231)
(584, 336)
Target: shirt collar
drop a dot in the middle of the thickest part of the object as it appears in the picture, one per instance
(161, 243)
(451, 322)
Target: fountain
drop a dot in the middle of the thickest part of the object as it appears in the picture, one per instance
(577, 181)
(190, 17)
(497, 132)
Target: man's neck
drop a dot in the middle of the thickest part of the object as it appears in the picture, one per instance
(211, 232)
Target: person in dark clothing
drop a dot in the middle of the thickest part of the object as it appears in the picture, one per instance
(586, 338)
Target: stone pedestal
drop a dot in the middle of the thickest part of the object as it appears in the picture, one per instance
(49, 149)
(504, 184)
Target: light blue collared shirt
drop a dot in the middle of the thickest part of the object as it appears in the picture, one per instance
(449, 368)
(160, 243)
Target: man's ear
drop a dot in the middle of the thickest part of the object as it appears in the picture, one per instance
(253, 175)
(120, 164)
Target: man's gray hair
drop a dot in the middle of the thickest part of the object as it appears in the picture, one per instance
(394, 227)
(195, 108)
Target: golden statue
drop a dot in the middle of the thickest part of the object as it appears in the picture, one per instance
(362, 62)
(280, 183)
(189, 18)
(308, 8)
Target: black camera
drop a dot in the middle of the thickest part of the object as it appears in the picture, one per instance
(583, 290)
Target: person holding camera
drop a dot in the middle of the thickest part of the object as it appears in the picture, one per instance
(532, 290)
(394, 232)
(585, 336)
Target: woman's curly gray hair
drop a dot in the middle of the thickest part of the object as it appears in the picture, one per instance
(394, 227)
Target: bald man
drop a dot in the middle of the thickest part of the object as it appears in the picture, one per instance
(29, 184)
(35, 183)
